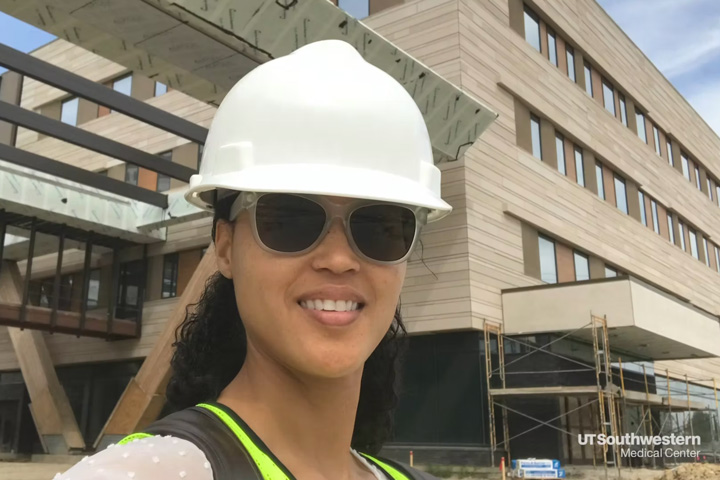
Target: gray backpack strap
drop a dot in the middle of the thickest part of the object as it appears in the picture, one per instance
(227, 456)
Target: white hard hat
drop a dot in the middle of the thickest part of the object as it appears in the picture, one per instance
(320, 121)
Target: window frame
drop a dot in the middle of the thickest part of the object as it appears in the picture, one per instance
(709, 188)
(611, 269)
(606, 85)
(130, 167)
(618, 179)
(656, 138)
(552, 48)
(560, 152)
(671, 156)
(698, 182)
(623, 109)
(671, 228)
(656, 219)
(65, 102)
(588, 79)
(685, 166)
(173, 261)
(528, 13)
(579, 165)
(570, 60)
(551, 242)
(707, 251)
(535, 120)
(600, 180)
(694, 246)
(638, 124)
(717, 258)
(95, 301)
(586, 259)
(681, 231)
(643, 212)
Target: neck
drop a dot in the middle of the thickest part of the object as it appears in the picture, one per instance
(307, 422)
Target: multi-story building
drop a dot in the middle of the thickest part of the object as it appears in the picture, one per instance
(593, 198)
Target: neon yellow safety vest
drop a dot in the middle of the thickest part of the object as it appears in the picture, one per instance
(266, 465)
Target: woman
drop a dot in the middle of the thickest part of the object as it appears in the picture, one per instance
(319, 170)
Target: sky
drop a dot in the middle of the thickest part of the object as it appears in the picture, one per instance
(681, 37)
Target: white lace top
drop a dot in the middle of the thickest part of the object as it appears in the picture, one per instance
(155, 458)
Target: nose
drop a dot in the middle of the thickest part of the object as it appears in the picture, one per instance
(334, 252)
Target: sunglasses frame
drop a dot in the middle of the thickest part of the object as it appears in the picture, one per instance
(249, 200)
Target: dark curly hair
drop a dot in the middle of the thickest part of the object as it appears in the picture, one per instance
(211, 345)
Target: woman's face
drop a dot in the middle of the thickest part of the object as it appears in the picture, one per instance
(272, 291)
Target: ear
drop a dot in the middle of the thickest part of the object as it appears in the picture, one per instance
(223, 247)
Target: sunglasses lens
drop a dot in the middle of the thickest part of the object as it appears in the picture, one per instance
(288, 223)
(383, 232)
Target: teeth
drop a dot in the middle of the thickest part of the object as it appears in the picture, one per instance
(330, 305)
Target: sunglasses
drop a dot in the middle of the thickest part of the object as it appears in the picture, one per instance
(294, 224)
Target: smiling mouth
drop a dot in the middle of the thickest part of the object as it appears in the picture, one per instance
(331, 305)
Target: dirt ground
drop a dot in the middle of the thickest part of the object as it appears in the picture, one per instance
(696, 471)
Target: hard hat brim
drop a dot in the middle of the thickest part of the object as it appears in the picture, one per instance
(313, 179)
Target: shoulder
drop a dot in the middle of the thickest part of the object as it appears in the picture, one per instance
(157, 457)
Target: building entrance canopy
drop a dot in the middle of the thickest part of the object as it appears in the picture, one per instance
(642, 320)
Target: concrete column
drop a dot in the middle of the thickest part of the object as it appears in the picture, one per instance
(522, 126)
(597, 268)
(10, 92)
(633, 201)
(547, 143)
(517, 16)
(590, 176)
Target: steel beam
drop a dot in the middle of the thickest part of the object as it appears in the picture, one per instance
(97, 143)
(58, 278)
(82, 87)
(80, 175)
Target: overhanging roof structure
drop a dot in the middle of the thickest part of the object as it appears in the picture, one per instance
(202, 47)
(641, 319)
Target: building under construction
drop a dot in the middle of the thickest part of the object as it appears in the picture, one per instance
(574, 289)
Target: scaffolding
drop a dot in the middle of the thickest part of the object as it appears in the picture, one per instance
(607, 401)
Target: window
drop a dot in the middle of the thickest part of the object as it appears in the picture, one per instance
(357, 8)
(710, 190)
(656, 135)
(610, 272)
(671, 228)
(93, 297)
(160, 89)
(535, 133)
(131, 174)
(623, 110)
(163, 183)
(552, 48)
(588, 80)
(129, 289)
(579, 168)
(697, 178)
(707, 252)
(620, 195)
(656, 222)
(560, 147)
(717, 192)
(123, 84)
(608, 97)
(685, 166)
(170, 275)
(570, 55)
(532, 29)
(548, 265)
(582, 266)
(681, 231)
(671, 159)
(69, 111)
(643, 214)
(640, 120)
(717, 258)
(693, 243)
(600, 180)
